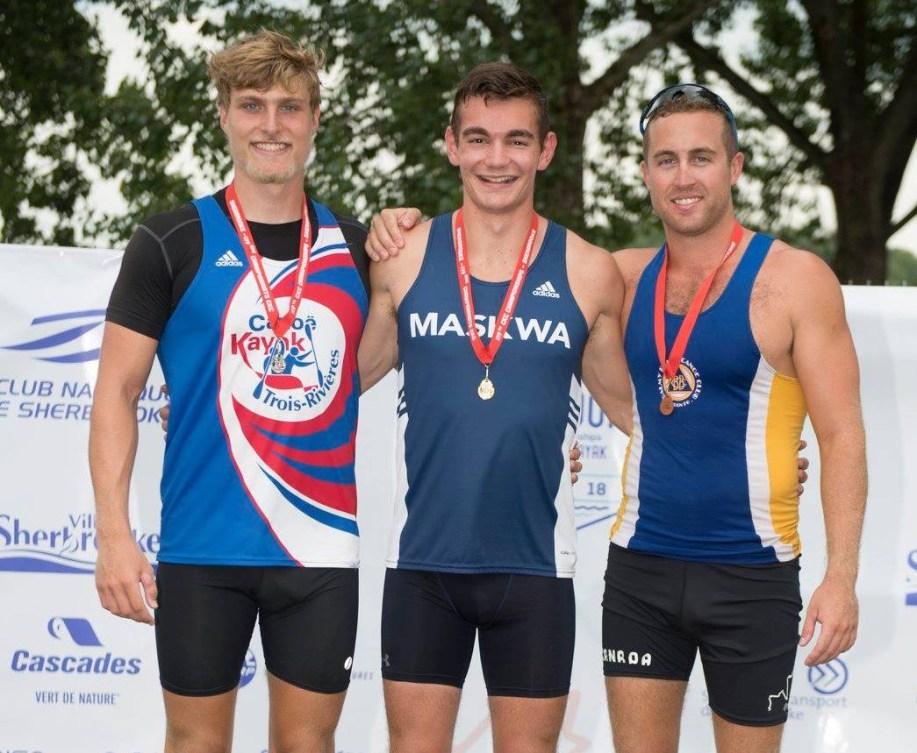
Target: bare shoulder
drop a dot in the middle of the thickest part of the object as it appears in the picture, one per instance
(399, 272)
(632, 262)
(596, 260)
(800, 278)
(594, 278)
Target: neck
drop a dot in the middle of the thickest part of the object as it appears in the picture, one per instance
(493, 236)
(270, 203)
(700, 251)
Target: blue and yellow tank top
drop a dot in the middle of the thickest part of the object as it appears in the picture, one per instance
(716, 480)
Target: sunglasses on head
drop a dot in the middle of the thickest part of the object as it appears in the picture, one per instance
(691, 92)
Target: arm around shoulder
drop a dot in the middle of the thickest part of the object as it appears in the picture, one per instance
(599, 289)
(389, 281)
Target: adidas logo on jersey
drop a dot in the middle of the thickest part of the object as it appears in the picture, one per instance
(546, 290)
(228, 259)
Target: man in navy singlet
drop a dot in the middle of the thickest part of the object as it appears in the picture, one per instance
(493, 317)
(731, 337)
(254, 299)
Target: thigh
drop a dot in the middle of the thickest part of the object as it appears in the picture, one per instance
(527, 647)
(308, 618)
(748, 628)
(302, 720)
(421, 716)
(526, 725)
(424, 638)
(645, 713)
(204, 624)
(643, 634)
(739, 738)
(196, 723)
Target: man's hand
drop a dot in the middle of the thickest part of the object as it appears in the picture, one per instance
(385, 237)
(834, 606)
(802, 465)
(122, 574)
(575, 465)
(164, 413)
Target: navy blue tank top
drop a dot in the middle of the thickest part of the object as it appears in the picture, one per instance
(483, 484)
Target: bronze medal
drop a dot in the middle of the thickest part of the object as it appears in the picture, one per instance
(666, 405)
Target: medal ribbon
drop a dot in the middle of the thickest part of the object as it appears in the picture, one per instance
(487, 353)
(279, 324)
(670, 365)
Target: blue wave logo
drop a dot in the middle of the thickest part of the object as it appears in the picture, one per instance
(75, 629)
(910, 598)
(249, 668)
(829, 678)
(61, 338)
(29, 561)
(69, 547)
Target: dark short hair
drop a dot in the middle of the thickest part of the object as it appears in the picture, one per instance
(689, 98)
(501, 81)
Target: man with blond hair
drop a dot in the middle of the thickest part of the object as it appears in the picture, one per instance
(254, 299)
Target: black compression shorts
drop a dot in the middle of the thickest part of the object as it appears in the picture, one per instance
(526, 626)
(206, 615)
(744, 620)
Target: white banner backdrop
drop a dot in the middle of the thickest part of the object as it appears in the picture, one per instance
(74, 679)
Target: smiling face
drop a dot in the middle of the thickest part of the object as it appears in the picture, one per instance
(689, 173)
(270, 133)
(498, 152)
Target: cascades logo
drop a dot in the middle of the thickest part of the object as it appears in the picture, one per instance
(82, 654)
(68, 548)
(69, 337)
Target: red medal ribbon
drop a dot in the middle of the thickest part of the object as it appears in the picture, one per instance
(487, 353)
(279, 324)
(670, 365)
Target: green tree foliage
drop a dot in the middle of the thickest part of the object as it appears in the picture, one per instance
(837, 78)
(392, 66)
(52, 71)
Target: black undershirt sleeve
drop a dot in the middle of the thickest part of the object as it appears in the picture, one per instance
(165, 252)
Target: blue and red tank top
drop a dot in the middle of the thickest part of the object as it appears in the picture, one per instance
(259, 462)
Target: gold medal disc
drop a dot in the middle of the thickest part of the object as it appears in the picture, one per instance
(667, 405)
(486, 389)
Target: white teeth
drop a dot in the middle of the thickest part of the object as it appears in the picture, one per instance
(686, 202)
(503, 179)
(270, 146)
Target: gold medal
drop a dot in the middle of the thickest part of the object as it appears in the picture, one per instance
(486, 389)
(666, 405)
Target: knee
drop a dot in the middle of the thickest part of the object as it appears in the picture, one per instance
(314, 740)
(184, 738)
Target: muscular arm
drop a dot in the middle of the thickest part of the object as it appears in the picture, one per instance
(599, 289)
(826, 365)
(121, 569)
(378, 352)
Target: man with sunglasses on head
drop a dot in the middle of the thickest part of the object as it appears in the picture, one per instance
(731, 338)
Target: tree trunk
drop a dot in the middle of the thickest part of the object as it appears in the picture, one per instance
(560, 188)
(863, 226)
